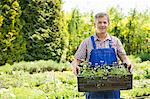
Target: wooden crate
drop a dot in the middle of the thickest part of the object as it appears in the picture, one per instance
(93, 84)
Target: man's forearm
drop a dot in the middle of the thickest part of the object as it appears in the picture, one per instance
(125, 59)
(76, 62)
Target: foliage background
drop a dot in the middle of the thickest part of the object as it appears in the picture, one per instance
(39, 29)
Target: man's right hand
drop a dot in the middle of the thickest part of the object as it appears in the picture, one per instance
(76, 70)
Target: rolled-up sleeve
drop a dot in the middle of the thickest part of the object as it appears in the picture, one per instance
(82, 51)
(120, 49)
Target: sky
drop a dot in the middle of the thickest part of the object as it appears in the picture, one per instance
(103, 5)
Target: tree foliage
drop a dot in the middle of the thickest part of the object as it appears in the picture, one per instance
(43, 29)
(39, 29)
(13, 45)
(79, 27)
(130, 29)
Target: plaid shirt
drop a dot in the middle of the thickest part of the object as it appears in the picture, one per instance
(83, 52)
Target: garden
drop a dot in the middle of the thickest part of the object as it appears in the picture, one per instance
(38, 42)
(51, 80)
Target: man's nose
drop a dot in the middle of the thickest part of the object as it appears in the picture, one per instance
(102, 24)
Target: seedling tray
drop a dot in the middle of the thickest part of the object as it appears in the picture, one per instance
(93, 84)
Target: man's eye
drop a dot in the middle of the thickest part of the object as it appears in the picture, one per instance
(105, 22)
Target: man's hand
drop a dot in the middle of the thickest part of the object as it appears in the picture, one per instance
(125, 59)
(76, 69)
(130, 67)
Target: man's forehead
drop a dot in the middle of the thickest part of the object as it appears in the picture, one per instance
(102, 19)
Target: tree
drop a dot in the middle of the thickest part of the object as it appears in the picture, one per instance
(13, 46)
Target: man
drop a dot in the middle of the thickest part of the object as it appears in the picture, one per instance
(101, 48)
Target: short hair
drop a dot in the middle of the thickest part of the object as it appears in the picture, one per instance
(102, 14)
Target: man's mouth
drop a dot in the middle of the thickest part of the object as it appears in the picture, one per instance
(101, 28)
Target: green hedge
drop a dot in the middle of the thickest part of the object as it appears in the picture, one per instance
(31, 30)
(43, 29)
(13, 45)
(35, 67)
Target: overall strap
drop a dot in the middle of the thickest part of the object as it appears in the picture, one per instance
(110, 42)
(93, 42)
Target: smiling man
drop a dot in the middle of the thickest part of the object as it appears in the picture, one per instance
(101, 48)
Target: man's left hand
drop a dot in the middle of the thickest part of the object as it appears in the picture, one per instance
(130, 67)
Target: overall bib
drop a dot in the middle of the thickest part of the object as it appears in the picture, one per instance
(102, 56)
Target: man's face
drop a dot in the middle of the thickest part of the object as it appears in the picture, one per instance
(101, 25)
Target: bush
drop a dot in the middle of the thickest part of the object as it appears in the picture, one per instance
(43, 29)
(41, 66)
(144, 56)
(13, 45)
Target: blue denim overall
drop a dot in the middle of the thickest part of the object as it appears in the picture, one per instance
(103, 56)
